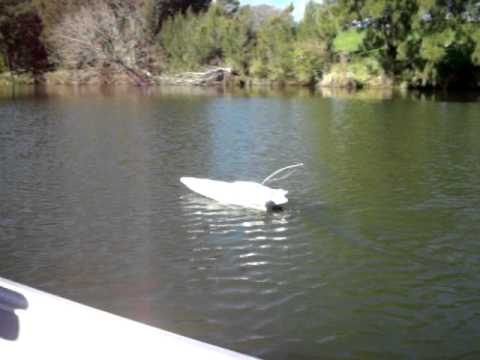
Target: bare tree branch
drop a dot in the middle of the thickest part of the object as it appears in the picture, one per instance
(103, 34)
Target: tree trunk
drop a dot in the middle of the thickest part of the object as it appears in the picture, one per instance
(392, 58)
(10, 70)
(139, 79)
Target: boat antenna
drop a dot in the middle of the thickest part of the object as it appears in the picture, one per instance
(271, 176)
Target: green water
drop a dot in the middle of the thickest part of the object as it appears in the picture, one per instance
(376, 256)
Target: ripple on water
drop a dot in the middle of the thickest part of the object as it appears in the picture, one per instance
(376, 255)
(262, 247)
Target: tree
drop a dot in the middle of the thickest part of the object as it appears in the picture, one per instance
(103, 34)
(274, 55)
(441, 48)
(237, 40)
(388, 23)
(263, 13)
(158, 11)
(185, 43)
(426, 42)
(216, 36)
(51, 12)
(20, 44)
(321, 21)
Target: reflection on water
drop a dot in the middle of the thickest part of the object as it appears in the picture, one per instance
(366, 94)
(375, 256)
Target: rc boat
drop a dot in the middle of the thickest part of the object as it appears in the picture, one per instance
(248, 194)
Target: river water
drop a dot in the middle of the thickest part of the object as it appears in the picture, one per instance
(376, 256)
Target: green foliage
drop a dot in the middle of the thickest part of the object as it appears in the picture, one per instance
(475, 39)
(316, 33)
(422, 42)
(191, 41)
(359, 72)
(414, 40)
(275, 49)
(236, 40)
(349, 41)
(309, 61)
(158, 11)
(322, 21)
(176, 38)
(443, 51)
(366, 67)
(258, 68)
(425, 42)
(433, 48)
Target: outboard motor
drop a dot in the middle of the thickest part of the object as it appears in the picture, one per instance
(271, 206)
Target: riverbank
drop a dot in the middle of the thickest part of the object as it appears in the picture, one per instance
(341, 76)
(338, 77)
(350, 77)
(7, 79)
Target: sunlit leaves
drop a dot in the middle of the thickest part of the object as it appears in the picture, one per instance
(275, 44)
(475, 36)
(432, 48)
(349, 41)
(192, 41)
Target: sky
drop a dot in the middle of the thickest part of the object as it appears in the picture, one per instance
(298, 4)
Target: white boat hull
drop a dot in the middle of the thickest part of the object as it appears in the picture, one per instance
(248, 194)
(54, 328)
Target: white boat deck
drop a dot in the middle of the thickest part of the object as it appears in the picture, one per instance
(55, 328)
